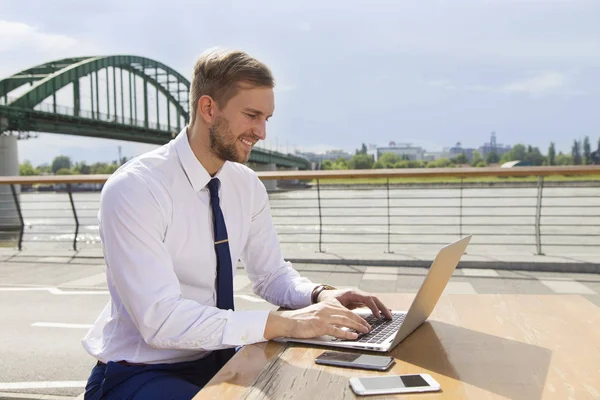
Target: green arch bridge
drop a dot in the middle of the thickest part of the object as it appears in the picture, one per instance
(119, 97)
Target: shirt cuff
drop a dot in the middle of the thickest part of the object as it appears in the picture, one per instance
(245, 327)
(304, 291)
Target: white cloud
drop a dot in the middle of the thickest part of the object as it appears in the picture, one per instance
(540, 84)
(20, 36)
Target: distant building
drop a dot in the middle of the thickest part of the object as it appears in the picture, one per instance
(435, 155)
(330, 155)
(492, 146)
(458, 150)
(402, 150)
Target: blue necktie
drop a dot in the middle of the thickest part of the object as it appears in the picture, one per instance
(224, 265)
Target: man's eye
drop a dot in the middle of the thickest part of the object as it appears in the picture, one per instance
(251, 115)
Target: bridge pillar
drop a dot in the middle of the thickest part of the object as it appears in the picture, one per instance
(9, 166)
(270, 185)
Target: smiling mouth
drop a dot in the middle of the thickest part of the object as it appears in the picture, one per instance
(247, 142)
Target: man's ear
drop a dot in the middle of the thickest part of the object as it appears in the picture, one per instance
(207, 109)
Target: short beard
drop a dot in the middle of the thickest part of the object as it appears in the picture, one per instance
(223, 143)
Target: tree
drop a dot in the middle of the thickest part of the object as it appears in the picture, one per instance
(340, 163)
(63, 171)
(361, 161)
(44, 169)
(535, 156)
(327, 164)
(587, 151)
(476, 158)
(363, 149)
(551, 154)
(492, 157)
(441, 163)
(461, 158)
(518, 152)
(81, 168)
(26, 169)
(388, 160)
(564, 159)
(481, 164)
(61, 162)
(576, 152)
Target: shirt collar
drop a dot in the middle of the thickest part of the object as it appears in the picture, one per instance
(195, 172)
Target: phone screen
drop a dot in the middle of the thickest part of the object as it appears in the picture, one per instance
(393, 382)
(352, 358)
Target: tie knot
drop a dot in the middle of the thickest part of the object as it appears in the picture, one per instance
(213, 187)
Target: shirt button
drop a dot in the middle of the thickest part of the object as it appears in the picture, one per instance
(244, 337)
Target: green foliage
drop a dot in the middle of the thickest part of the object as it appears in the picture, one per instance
(26, 169)
(360, 161)
(80, 168)
(576, 153)
(492, 158)
(563, 159)
(441, 163)
(551, 154)
(388, 160)
(340, 163)
(476, 158)
(587, 151)
(60, 162)
(480, 164)
(63, 171)
(461, 158)
(362, 150)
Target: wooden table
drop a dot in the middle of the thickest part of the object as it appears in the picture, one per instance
(522, 347)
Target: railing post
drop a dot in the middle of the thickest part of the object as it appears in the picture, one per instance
(538, 215)
(18, 206)
(74, 216)
(460, 210)
(320, 217)
(389, 250)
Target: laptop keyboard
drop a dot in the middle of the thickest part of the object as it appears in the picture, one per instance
(381, 329)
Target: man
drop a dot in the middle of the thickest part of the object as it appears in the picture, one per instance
(172, 221)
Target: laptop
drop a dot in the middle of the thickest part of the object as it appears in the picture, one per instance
(386, 334)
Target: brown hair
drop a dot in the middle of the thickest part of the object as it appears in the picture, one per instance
(218, 72)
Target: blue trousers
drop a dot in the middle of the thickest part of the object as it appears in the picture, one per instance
(179, 381)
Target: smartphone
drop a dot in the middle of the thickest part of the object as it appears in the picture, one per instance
(394, 384)
(352, 360)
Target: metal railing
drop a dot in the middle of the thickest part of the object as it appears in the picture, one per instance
(324, 211)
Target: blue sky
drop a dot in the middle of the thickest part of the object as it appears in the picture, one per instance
(431, 73)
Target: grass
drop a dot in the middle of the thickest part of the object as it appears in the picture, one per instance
(482, 179)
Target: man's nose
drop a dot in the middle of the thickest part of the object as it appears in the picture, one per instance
(260, 130)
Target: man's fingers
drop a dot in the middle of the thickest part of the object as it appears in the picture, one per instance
(341, 333)
(370, 302)
(386, 311)
(344, 321)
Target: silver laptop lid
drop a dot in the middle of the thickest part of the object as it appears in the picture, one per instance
(433, 286)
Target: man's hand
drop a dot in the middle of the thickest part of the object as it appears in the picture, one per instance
(352, 299)
(324, 318)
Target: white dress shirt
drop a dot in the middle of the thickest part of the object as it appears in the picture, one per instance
(156, 228)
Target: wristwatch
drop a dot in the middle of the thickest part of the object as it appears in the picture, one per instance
(317, 291)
